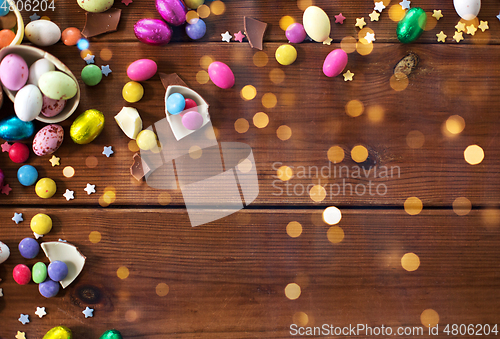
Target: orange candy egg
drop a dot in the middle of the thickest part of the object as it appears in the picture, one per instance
(6, 37)
(70, 36)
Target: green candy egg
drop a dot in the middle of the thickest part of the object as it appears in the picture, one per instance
(57, 85)
(111, 334)
(91, 75)
(39, 272)
(87, 126)
(58, 332)
(412, 25)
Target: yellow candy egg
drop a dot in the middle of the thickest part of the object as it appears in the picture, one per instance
(194, 4)
(132, 91)
(45, 188)
(41, 224)
(286, 54)
(58, 332)
(146, 140)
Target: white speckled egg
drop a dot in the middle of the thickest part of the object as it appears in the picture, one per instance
(42, 32)
(28, 103)
(48, 140)
(38, 68)
(4, 252)
(467, 9)
(95, 6)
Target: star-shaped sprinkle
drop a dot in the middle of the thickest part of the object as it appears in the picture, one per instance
(88, 312)
(54, 161)
(17, 218)
(40, 312)
(1, 292)
(34, 17)
(106, 70)
(69, 195)
(441, 37)
(370, 37)
(348, 75)
(61, 240)
(24, 319)
(239, 36)
(90, 189)
(437, 14)
(127, 2)
(226, 36)
(339, 19)
(5, 147)
(360, 22)
(458, 36)
(327, 41)
(89, 58)
(6, 189)
(483, 25)
(37, 236)
(379, 6)
(471, 29)
(498, 16)
(405, 4)
(374, 16)
(460, 26)
(107, 151)
(20, 335)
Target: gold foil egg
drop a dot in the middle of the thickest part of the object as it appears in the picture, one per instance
(87, 126)
(58, 332)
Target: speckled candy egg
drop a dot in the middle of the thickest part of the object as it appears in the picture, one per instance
(13, 72)
(221, 75)
(51, 107)
(95, 6)
(172, 11)
(42, 32)
(153, 31)
(48, 140)
(4, 252)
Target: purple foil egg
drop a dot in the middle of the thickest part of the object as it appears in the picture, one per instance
(172, 11)
(153, 31)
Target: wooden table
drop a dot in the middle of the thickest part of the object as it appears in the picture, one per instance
(149, 274)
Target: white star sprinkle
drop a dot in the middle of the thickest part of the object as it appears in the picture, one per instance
(405, 4)
(40, 311)
(226, 36)
(88, 312)
(370, 37)
(1, 292)
(379, 6)
(90, 189)
(69, 195)
(17, 218)
(37, 236)
(107, 151)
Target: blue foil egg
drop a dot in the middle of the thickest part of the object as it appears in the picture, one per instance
(196, 29)
(14, 129)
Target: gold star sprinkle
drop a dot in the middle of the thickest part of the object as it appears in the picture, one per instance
(437, 14)
(458, 36)
(360, 23)
(441, 37)
(471, 30)
(328, 41)
(54, 161)
(374, 16)
(348, 76)
(483, 25)
(460, 26)
(20, 335)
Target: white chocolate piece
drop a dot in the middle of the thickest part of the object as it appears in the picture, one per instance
(129, 121)
(67, 253)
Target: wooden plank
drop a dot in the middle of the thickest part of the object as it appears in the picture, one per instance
(227, 278)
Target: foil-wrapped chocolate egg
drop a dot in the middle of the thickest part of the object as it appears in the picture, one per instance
(412, 25)
(111, 334)
(87, 126)
(12, 129)
(58, 332)
(153, 31)
(172, 11)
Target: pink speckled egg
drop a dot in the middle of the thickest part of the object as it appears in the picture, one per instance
(48, 140)
(13, 72)
(153, 31)
(335, 63)
(142, 69)
(172, 11)
(221, 75)
(52, 107)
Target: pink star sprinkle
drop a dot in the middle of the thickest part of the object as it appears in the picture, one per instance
(5, 147)
(127, 2)
(6, 189)
(339, 19)
(239, 36)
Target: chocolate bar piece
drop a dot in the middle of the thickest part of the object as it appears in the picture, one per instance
(139, 168)
(254, 30)
(100, 23)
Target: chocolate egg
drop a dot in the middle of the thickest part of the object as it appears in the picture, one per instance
(58, 332)
(111, 334)
(13, 129)
(412, 25)
(153, 31)
(87, 126)
(48, 140)
(172, 11)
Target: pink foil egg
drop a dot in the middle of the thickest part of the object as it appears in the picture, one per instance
(142, 69)
(335, 63)
(221, 75)
(13, 72)
(48, 140)
(153, 31)
(172, 11)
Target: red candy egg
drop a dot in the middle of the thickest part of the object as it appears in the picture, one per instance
(190, 103)
(22, 274)
(19, 152)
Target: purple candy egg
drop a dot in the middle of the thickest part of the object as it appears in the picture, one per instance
(29, 248)
(172, 11)
(295, 33)
(49, 288)
(192, 120)
(153, 31)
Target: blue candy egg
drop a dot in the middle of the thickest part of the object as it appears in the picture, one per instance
(29, 248)
(49, 288)
(175, 103)
(196, 29)
(14, 129)
(27, 175)
(57, 270)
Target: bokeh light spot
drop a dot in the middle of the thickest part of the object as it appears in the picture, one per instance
(354, 108)
(195, 152)
(284, 173)
(364, 48)
(68, 172)
(248, 92)
(474, 154)
(335, 154)
(348, 44)
(462, 206)
(284, 132)
(335, 234)
(132, 146)
(332, 215)
(217, 7)
(286, 21)
(162, 289)
(294, 229)
(205, 61)
(375, 113)
(260, 59)
(429, 318)
(396, 12)
(277, 75)
(94, 237)
(292, 291)
(260, 120)
(431, 22)
(415, 139)
(203, 11)
(241, 125)
(245, 166)
(269, 100)
(164, 198)
(317, 193)
(359, 153)
(131, 316)
(410, 262)
(413, 205)
(202, 77)
(122, 272)
(303, 4)
(399, 83)
(455, 124)
(300, 319)
(106, 54)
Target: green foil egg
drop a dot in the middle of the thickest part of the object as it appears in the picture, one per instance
(111, 334)
(58, 332)
(412, 25)
(87, 126)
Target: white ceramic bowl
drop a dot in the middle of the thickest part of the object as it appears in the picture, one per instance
(30, 55)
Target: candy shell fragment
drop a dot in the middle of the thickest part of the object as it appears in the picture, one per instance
(69, 254)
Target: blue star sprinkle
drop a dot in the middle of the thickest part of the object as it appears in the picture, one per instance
(498, 16)
(89, 59)
(105, 70)
(34, 17)
(107, 151)
(88, 312)
(17, 218)
(24, 319)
